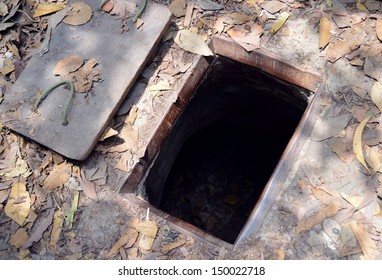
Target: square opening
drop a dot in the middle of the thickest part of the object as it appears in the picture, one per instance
(213, 166)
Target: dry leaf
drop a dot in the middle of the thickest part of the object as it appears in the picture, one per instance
(310, 222)
(108, 6)
(148, 228)
(145, 242)
(79, 13)
(8, 66)
(109, 132)
(58, 221)
(43, 9)
(280, 255)
(324, 33)
(88, 187)
(68, 65)
(21, 169)
(58, 176)
(279, 22)
(369, 248)
(357, 142)
(372, 158)
(376, 95)
(18, 203)
(162, 85)
(172, 245)
(330, 127)
(373, 67)
(192, 42)
(349, 243)
(362, 7)
(39, 228)
(19, 238)
(85, 76)
(127, 239)
(338, 50)
(273, 6)
(378, 28)
(360, 202)
(208, 5)
(247, 35)
(343, 150)
(178, 8)
(323, 196)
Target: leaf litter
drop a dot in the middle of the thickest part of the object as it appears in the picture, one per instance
(224, 22)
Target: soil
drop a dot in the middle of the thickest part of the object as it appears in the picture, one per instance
(99, 223)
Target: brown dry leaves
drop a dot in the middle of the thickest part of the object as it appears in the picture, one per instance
(79, 13)
(324, 33)
(73, 68)
(58, 176)
(18, 204)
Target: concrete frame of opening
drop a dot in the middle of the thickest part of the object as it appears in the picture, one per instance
(268, 63)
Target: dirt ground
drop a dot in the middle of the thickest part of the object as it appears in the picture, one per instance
(329, 208)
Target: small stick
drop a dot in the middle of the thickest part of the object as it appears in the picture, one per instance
(49, 90)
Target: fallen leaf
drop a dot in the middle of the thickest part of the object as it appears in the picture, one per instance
(378, 28)
(3, 9)
(178, 8)
(108, 6)
(19, 238)
(330, 127)
(324, 33)
(362, 7)
(280, 254)
(127, 239)
(376, 95)
(192, 42)
(85, 76)
(6, 25)
(373, 67)
(24, 255)
(349, 244)
(8, 67)
(208, 5)
(70, 216)
(338, 50)
(160, 86)
(109, 132)
(279, 22)
(18, 204)
(20, 169)
(369, 248)
(45, 9)
(360, 202)
(58, 176)
(172, 245)
(357, 142)
(79, 13)
(247, 35)
(145, 242)
(323, 196)
(343, 150)
(68, 65)
(310, 222)
(58, 221)
(148, 228)
(88, 187)
(39, 228)
(273, 6)
(372, 159)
